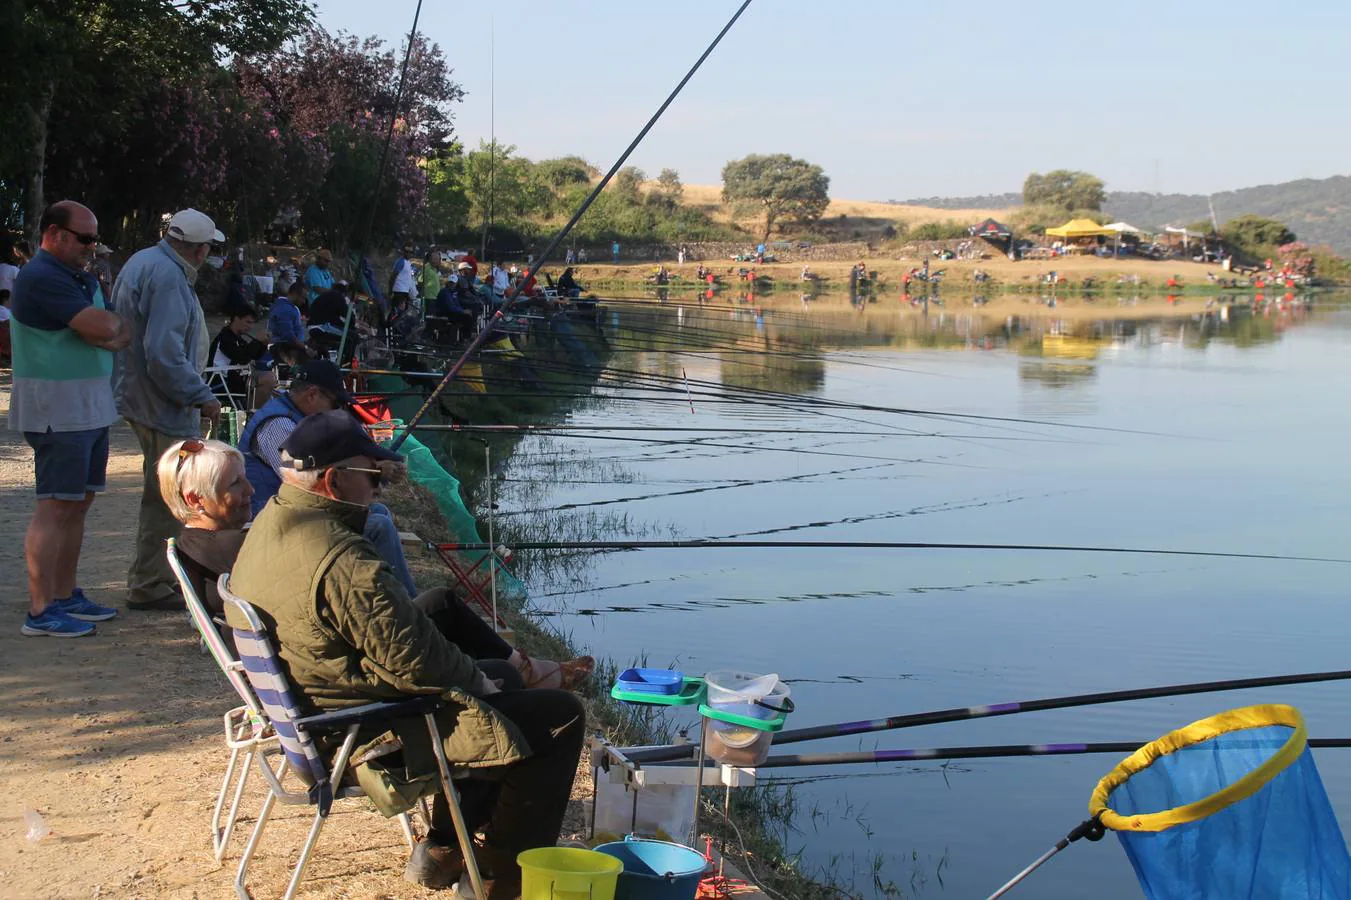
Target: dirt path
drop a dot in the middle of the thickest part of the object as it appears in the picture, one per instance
(116, 739)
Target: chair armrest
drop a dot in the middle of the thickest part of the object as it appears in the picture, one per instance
(371, 713)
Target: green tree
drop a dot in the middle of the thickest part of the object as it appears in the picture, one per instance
(1256, 235)
(1065, 190)
(778, 187)
(669, 186)
(628, 183)
(77, 71)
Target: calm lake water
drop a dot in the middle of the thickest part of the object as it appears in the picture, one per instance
(1183, 433)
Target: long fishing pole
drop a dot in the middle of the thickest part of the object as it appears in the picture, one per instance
(725, 429)
(380, 176)
(963, 713)
(514, 293)
(993, 751)
(700, 544)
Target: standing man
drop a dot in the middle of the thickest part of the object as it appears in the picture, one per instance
(158, 383)
(614, 251)
(64, 338)
(318, 277)
(401, 284)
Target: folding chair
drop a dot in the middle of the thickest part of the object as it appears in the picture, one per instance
(246, 728)
(218, 379)
(323, 784)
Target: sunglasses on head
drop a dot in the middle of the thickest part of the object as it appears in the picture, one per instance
(188, 448)
(85, 239)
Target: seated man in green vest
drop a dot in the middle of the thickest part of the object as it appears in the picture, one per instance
(349, 634)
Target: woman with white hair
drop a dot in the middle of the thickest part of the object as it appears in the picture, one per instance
(205, 488)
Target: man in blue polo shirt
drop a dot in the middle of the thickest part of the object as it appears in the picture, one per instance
(64, 338)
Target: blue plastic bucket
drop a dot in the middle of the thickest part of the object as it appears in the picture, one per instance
(656, 870)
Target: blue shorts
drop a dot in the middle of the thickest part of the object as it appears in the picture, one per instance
(69, 464)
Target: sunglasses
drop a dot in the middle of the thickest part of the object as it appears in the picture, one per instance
(189, 447)
(85, 239)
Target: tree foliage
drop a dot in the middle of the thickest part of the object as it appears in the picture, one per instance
(1065, 190)
(777, 186)
(1256, 235)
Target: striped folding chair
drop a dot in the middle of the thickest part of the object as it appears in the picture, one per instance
(323, 783)
(246, 730)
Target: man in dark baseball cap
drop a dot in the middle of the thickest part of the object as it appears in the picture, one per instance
(324, 375)
(351, 634)
(323, 441)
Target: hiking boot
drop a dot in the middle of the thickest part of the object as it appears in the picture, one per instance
(434, 866)
(78, 606)
(53, 623)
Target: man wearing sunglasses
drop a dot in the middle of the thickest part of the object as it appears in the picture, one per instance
(350, 634)
(63, 342)
(158, 382)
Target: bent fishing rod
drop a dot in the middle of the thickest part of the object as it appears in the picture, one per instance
(964, 713)
(514, 293)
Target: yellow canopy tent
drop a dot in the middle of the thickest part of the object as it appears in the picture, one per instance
(1080, 228)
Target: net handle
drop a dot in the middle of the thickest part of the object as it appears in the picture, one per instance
(1259, 716)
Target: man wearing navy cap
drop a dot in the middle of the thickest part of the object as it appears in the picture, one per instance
(350, 634)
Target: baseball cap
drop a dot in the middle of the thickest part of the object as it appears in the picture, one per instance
(464, 265)
(194, 227)
(323, 253)
(326, 438)
(323, 374)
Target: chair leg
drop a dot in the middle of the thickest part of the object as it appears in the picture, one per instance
(407, 825)
(321, 815)
(219, 836)
(461, 830)
(234, 804)
(319, 819)
(241, 876)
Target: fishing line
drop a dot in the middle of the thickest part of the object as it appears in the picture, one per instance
(513, 294)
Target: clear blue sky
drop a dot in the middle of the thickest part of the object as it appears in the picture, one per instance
(898, 99)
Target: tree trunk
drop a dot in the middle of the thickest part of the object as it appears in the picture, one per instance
(37, 162)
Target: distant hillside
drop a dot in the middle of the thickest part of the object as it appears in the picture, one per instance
(1317, 210)
(987, 201)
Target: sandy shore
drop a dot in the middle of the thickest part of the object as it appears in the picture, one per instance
(116, 739)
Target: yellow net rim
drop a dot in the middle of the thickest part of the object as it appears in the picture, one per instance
(1198, 732)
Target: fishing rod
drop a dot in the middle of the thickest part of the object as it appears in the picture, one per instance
(993, 751)
(380, 177)
(964, 713)
(568, 429)
(697, 543)
(513, 293)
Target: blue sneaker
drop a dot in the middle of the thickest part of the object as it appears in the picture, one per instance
(55, 624)
(78, 606)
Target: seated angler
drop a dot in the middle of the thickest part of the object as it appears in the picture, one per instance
(286, 325)
(205, 488)
(348, 634)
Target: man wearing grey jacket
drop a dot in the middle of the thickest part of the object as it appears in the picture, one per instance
(158, 383)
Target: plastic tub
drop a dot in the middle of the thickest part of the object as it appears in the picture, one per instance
(656, 870)
(651, 681)
(562, 873)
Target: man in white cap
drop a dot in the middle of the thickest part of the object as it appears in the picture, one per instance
(159, 385)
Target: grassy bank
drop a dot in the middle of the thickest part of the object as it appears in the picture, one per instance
(1105, 276)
